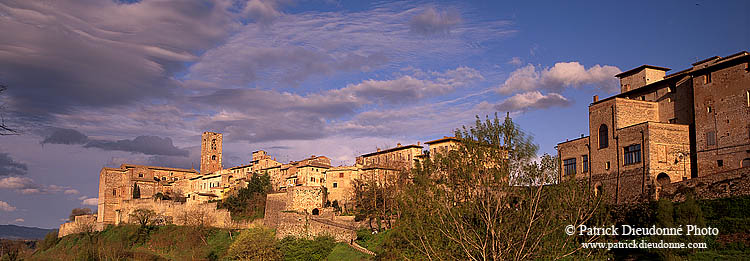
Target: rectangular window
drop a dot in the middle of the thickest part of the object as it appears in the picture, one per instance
(720, 163)
(606, 166)
(335, 185)
(585, 159)
(711, 138)
(341, 175)
(707, 78)
(632, 154)
(114, 192)
(747, 97)
(569, 166)
(643, 98)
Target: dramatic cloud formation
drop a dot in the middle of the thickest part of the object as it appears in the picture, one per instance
(65, 136)
(263, 115)
(531, 100)
(149, 145)
(8, 166)
(263, 11)
(78, 46)
(560, 76)
(4, 206)
(432, 21)
(90, 201)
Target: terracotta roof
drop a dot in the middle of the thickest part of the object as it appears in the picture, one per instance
(444, 138)
(123, 166)
(631, 71)
(390, 150)
(706, 60)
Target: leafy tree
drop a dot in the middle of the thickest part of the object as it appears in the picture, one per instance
(255, 244)
(489, 199)
(249, 202)
(79, 212)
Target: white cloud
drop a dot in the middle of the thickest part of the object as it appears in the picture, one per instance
(560, 76)
(28, 186)
(515, 61)
(531, 100)
(4, 206)
(19, 220)
(90, 201)
(71, 191)
(431, 21)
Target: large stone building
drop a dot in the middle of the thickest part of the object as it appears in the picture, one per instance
(664, 128)
(211, 148)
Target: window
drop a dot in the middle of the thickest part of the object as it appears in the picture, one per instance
(341, 175)
(569, 166)
(312, 179)
(627, 87)
(709, 109)
(747, 97)
(335, 185)
(164, 178)
(213, 157)
(606, 166)
(711, 138)
(603, 136)
(140, 175)
(707, 78)
(585, 160)
(745, 163)
(672, 120)
(670, 88)
(720, 163)
(114, 192)
(643, 98)
(632, 154)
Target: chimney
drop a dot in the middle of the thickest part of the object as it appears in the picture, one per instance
(417, 143)
(581, 135)
(398, 144)
(378, 150)
(596, 98)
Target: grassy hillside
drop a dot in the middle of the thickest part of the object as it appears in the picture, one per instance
(185, 243)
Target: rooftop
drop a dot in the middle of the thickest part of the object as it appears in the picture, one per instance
(636, 69)
(391, 150)
(443, 139)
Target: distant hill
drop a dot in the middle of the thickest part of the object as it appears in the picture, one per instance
(20, 232)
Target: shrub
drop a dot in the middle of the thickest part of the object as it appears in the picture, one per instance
(255, 244)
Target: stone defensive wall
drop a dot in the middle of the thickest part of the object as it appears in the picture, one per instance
(309, 226)
(719, 185)
(275, 204)
(179, 213)
(81, 224)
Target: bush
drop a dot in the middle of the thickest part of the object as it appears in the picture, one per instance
(255, 244)
(305, 249)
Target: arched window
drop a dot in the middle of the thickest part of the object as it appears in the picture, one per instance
(603, 138)
(663, 179)
(315, 211)
(745, 163)
(213, 157)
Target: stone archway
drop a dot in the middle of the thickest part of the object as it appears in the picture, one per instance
(315, 211)
(663, 179)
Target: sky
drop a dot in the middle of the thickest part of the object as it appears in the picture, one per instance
(95, 83)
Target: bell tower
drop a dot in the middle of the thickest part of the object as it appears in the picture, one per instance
(211, 147)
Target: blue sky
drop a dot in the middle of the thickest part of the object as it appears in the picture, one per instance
(99, 83)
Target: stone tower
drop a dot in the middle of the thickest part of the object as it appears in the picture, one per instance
(211, 147)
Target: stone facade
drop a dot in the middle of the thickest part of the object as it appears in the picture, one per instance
(443, 145)
(211, 152)
(664, 128)
(340, 184)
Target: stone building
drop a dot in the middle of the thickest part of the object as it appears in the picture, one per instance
(340, 184)
(211, 148)
(664, 128)
(443, 145)
(118, 184)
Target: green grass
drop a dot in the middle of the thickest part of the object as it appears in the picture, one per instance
(344, 252)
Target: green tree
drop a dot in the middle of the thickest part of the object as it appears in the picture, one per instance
(136, 191)
(249, 202)
(78, 212)
(490, 199)
(255, 244)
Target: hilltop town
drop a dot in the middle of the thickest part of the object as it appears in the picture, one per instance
(662, 137)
